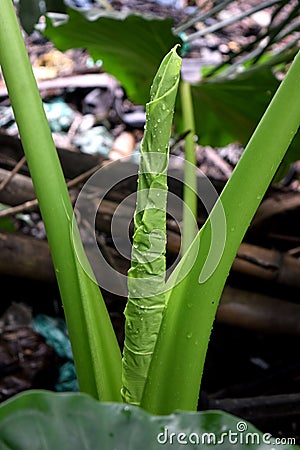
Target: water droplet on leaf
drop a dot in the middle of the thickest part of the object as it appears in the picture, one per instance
(126, 411)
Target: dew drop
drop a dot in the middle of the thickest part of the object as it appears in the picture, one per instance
(164, 106)
(232, 229)
(126, 411)
(189, 335)
(158, 120)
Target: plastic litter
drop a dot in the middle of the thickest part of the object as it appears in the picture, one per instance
(67, 379)
(55, 332)
(60, 116)
(96, 140)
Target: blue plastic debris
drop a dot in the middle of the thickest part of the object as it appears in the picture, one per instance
(60, 116)
(96, 140)
(67, 379)
(55, 332)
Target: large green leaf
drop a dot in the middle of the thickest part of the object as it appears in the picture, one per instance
(30, 11)
(225, 110)
(230, 109)
(131, 46)
(45, 420)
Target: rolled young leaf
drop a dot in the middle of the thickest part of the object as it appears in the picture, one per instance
(146, 277)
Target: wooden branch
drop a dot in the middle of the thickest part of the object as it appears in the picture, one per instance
(25, 256)
(262, 410)
(19, 190)
(75, 81)
(258, 312)
(251, 260)
(15, 170)
(267, 264)
(30, 205)
(279, 203)
(73, 163)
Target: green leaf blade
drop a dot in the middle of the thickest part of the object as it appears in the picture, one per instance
(47, 420)
(131, 46)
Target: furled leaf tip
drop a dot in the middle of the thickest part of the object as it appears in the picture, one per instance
(167, 76)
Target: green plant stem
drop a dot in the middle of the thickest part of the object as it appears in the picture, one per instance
(190, 177)
(178, 360)
(96, 355)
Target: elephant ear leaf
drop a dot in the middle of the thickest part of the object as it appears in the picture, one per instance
(146, 277)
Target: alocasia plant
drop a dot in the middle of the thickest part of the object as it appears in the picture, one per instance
(193, 290)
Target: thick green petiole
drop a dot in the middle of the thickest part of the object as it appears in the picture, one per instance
(190, 179)
(96, 352)
(177, 365)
